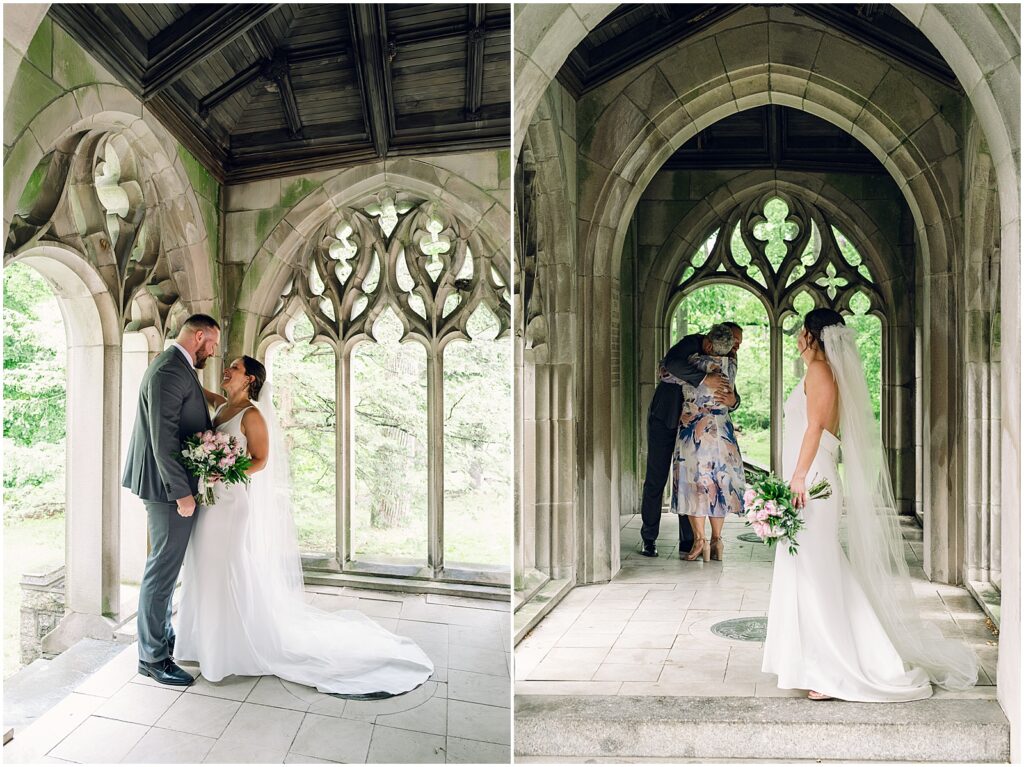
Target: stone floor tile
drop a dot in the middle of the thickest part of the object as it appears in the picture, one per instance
(585, 639)
(551, 670)
(477, 636)
(199, 715)
(429, 717)
(462, 751)
(628, 672)
(380, 608)
(98, 740)
(479, 688)
(264, 727)
(388, 746)
(369, 710)
(475, 721)
(424, 631)
(644, 641)
(139, 704)
(271, 691)
(478, 659)
(339, 740)
(577, 655)
(230, 688)
(113, 676)
(772, 690)
(233, 752)
(170, 747)
(31, 743)
(645, 656)
(300, 759)
(531, 687)
(663, 626)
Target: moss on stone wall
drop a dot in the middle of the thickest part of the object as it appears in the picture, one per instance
(297, 190)
(202, 180)
(72, 66)
(40, 50)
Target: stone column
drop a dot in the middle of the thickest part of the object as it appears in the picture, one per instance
(598, 447)
(135, 356)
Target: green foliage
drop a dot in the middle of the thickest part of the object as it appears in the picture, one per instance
(389, 440)
(34, 395)
(718, 303)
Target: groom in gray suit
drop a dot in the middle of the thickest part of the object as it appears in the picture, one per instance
(172, 407)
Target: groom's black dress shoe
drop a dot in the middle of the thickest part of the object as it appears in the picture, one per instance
(648, 549)
(166, 671)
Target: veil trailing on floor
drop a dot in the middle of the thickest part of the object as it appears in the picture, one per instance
(876, 548)
(339, 652)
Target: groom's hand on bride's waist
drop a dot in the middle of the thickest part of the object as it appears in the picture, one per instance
(186, 506)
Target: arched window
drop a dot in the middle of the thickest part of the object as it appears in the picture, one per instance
(773, 260)
(413, 312)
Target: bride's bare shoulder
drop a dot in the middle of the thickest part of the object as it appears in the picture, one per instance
(253, 417)
(819, 374)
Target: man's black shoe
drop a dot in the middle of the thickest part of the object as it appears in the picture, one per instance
(166, 671)
(648, 549)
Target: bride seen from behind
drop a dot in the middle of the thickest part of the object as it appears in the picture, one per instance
(848, 626)
(243, 608)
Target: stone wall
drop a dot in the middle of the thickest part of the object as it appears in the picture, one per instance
(42, 607)
(661, 228)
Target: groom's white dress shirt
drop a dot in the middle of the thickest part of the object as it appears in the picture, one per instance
(184, 351)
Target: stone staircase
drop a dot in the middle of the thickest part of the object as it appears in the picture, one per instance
(624, 728)
(42, 684)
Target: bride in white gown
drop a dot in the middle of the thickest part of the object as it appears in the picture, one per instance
(242, 608)
(841, 626)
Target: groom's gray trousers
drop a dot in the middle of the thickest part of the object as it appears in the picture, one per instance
(168, 538)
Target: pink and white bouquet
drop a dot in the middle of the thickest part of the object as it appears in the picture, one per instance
(214, 457)
(768, 502)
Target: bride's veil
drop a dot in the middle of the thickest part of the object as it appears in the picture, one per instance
(876, 548)
(341, 651)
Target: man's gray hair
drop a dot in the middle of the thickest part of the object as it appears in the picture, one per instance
(721, 339)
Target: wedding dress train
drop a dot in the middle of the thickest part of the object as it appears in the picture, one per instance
(243, 609)
(823, 633)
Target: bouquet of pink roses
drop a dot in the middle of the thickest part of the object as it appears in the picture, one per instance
(214, 457)
(768, 502)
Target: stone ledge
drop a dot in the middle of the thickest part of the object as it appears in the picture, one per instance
(760, 729)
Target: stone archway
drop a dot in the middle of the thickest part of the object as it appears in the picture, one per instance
(371, 224)
(93, 443)
(982, 48)
(97, 190)
(660, 275)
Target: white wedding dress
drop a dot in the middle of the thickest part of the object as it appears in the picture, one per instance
(243, 610)
(823, 633)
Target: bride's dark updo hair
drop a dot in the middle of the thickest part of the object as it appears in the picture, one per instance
(816, 320)
(254, 368)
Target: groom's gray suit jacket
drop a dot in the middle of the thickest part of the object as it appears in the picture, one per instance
(172, 407)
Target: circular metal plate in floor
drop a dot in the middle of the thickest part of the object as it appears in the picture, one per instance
(748, 537)
(743, 629)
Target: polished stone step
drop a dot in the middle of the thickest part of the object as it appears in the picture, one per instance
(759, 729)
(39, 686)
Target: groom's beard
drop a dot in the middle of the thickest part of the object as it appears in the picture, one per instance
(200, 362)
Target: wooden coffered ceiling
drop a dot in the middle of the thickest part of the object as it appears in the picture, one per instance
(776, 137)
(635, 32)
(260, 91)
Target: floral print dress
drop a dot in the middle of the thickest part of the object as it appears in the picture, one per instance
(707, 468)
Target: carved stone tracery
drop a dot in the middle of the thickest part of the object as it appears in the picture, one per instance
(91, 194)
(409, 256)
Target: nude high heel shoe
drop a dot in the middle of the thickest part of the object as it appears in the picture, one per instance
(717, 549)
(701, 548)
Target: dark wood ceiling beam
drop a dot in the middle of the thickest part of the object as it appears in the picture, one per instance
(239, 82)
(370, 36)
(325, 53)
(201, 32)
(446, 32)
(279, 71)
(475, 60)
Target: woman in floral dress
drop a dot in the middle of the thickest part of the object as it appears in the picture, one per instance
(707, 468)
